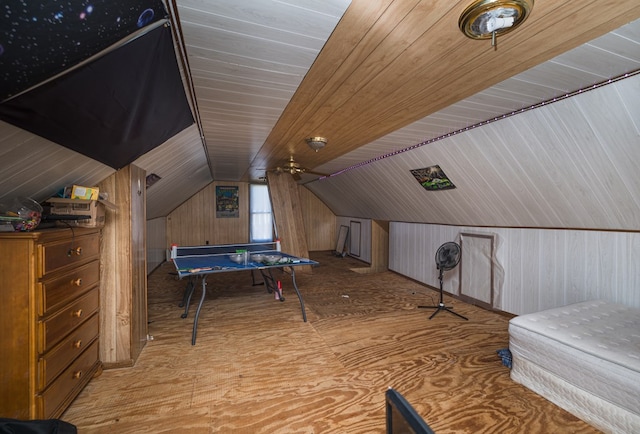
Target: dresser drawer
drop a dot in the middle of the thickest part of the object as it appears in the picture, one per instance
(49, 296)
(61, 290)
(60, 254)
(56, 360)
(67, 319)
(66, 387)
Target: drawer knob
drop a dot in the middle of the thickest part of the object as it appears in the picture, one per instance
(77, 251)
(77, 375)
(77, 344)
(77, 282)
(77, 313)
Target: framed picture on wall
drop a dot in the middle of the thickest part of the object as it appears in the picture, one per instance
(227, 202)
(432, 178)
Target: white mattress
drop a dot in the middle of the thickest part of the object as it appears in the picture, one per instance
(592, 348)
(600, 413)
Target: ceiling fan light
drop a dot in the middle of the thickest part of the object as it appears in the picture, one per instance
(316, 143)
(484, 19)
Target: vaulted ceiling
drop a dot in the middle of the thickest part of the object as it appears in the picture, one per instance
(375, 78)
(385, 65)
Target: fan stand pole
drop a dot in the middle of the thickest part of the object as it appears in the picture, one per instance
(441, 305)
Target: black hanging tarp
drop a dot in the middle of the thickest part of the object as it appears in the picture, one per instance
(113, 109)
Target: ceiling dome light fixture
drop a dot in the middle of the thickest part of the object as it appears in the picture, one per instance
(316, 143)
(484, 19)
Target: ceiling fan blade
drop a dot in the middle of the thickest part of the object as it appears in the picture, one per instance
(311, 172)
(295, 169)
(276, 171)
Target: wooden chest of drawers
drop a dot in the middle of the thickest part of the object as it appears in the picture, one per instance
(49, 323)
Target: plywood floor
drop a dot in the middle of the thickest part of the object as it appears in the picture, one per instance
(258, 368)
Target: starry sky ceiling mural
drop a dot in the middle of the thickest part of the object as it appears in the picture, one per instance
(112, 108)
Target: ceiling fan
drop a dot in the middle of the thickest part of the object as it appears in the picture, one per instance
(295, 169)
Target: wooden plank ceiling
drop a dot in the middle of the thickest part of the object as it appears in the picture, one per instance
(386, 65)
(373, 76)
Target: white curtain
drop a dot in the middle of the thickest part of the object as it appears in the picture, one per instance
(261, 222)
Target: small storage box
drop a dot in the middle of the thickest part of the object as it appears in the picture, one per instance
(95, 209)
(87, 193)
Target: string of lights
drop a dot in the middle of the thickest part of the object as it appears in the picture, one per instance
(486, 122)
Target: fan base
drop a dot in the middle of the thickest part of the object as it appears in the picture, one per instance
(441, 307)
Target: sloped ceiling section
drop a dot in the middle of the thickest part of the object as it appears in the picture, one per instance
(391, 63)
(569, 164)
(182, 165)
(261, 76)
(113, 109)
(611, 55)
(115, 106)
(247, 60)
(36, 167)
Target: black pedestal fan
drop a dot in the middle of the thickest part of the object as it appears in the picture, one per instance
(447, 258)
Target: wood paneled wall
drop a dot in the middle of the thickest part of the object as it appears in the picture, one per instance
(365, 235)
(319, 222)
(536, 269)
(379, 245)
(374, 241)
(195, 223)
(287, 214)
(136, 183)
(123, 287)
(156, 243)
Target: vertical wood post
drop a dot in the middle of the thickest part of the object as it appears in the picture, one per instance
(287, 214)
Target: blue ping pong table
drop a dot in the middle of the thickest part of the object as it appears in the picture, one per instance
(197, 262)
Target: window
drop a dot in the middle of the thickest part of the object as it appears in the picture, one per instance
(261, 220)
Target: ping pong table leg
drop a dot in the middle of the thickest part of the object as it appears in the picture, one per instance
(185, 293)
(253, 278)
(270, 283)
(295, 286)
(195, 319)
(186, 297)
